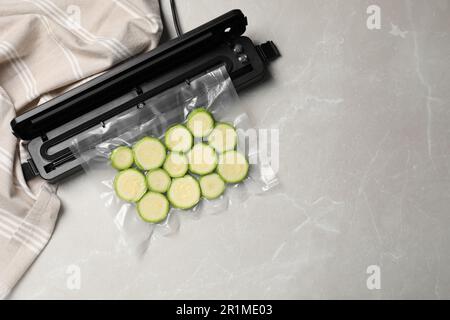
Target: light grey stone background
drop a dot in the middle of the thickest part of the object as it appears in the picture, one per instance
(364, 124)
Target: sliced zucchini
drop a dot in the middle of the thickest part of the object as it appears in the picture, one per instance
(153, 207)
(158, 180)
(130, 185)
(184, 193)
(149, 153)
(178, 138)
(232, 167)
(202, 159)
(223, 137)
(121, 158)
(200, 122)
(176, 164)
(212, 186)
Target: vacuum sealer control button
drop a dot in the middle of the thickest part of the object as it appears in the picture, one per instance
(238, 48)
(242, 58)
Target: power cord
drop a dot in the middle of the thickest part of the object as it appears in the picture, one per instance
(175, 18)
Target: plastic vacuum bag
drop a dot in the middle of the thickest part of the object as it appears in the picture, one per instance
(213, 91)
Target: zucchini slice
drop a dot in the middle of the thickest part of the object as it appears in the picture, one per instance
(232, 167)
(178, 138)
(212, 186)
(121, 158)
(158, 180)
(223, 137)
(153, 207)
(130, 185)
(176, 164)
(184, 193)
(202, 159)
(200, 122)
(149, 153)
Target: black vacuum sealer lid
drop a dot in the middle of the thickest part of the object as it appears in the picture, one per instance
(77, 101)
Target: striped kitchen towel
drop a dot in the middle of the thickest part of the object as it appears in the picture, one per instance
(47, 47)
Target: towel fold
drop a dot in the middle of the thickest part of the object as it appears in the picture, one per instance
(46, 48)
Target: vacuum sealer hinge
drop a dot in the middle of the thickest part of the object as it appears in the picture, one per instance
(268, 51)
(29, 170)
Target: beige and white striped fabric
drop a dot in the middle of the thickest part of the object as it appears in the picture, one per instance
(46, 47)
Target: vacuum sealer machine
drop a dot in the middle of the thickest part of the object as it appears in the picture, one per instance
(51, 127)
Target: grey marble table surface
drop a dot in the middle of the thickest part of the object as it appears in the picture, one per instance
(363, 208)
